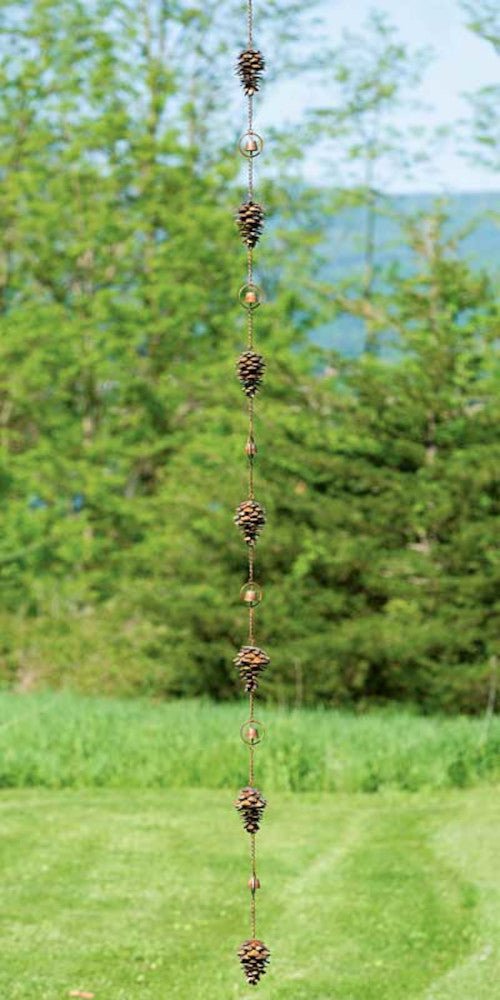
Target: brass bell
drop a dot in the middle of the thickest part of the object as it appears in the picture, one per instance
(250, 296)
(251, 448)
(251, 594)
(252, 732)
(253, 883)
(250, 144)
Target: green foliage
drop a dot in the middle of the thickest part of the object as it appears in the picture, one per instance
(371, 75)
(483, 128)
(484, 19)
(369, 78)
(140, 895)
(482, 131)
(427, 459)
(122, 424)
(64, 741)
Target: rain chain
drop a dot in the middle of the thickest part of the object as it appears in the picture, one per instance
(250, 515)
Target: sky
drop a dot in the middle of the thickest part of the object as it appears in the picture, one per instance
(463, 63)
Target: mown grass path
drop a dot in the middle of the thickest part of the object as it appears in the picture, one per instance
(130, 895)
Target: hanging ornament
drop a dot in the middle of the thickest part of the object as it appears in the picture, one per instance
(250, 221)
(251, 144)
(254, 956)
(251, 594)
(250, 296)
(252, 732)
(251, 662)
(250, 448)
(249, 68)
(251, 804)
(251, 368)
(250, 516)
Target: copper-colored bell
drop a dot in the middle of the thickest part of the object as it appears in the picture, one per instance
(252, 732)
(253, 883)
(250, 296)
(251, 594)
(251, 145)
(251, 448)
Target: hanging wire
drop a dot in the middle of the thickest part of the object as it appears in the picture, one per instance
(253, 954)
(250, 23)
(251, 493)
(253, 908)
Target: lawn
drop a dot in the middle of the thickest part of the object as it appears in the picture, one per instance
(142, 894)
(67, 741)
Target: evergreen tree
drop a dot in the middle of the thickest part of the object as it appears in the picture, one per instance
(122, 423)
(370, 78)
(480, 140)
(428, 457)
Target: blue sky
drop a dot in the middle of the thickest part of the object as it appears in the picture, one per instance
(462, 63)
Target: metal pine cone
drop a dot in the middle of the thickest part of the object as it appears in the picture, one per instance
(251, 368)
(251, 804)
(251, 662)
(254, 956)
(250, 222)
(250, 518)
(249, 68)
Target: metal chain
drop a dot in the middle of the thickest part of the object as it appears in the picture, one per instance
(250, 516)
(250, 158)
(253, 910)
(250, 23)
(251, 551)
(251, 492)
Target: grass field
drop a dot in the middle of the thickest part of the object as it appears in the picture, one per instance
(66, 741)
(132, 895)
(124, 865)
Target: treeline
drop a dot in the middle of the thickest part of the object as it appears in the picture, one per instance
(123, 425)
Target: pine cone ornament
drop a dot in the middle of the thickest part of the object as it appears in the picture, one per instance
(249, 68)
(251, 804)
(251, 368)
(250, 222)
(254, 956)
(250, 517)
(251, 662)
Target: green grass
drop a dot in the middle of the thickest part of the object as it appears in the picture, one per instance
(124, 866)
(142, 896)
(67, 741)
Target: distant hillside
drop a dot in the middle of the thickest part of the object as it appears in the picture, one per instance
(481, 247)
